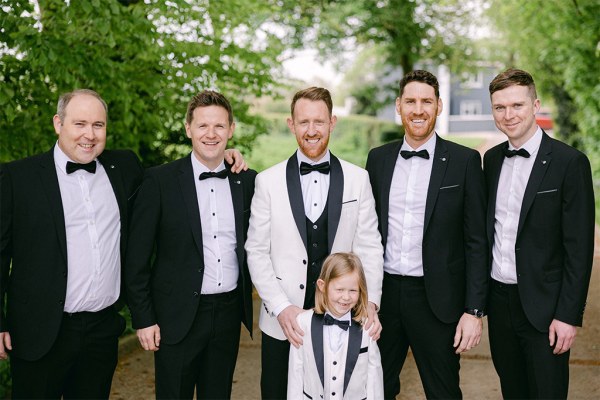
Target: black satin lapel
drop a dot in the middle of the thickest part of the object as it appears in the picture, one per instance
(292, 175)
(540, 166)
(188, 192)
(237, 197)
(51, 187)
(316, 333)
(354, 341)
(334, 199)
(438, 170)
(387, 175)
(495, 166)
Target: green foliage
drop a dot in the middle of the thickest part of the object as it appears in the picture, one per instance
(146, 58)
(351, 140)
(5, 379)
(558, 42)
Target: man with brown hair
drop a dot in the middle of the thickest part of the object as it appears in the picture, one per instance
(541, 234)
(305, 208)
(186, 272)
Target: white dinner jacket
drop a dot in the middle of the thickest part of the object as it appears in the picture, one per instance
(276, 245)
(363, 377)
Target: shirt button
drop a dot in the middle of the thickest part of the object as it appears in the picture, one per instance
(335, 363)
(315, 181)
(212, 190)
(218, 260)
(301, 286)
(334, 378)
(304, 262)
(315, 204)
(333, 393)
(213, 214)
(215, 236)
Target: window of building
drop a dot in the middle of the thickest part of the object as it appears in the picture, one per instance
(470, 107)
(472, 80)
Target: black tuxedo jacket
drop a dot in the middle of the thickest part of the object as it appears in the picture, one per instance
(165, 260)
(555, 236)
(455, 249)
(34, 239)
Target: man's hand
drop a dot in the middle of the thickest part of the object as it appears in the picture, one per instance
(468, 333)
(373, 325)
(232, 155)
(149, 337)
(291, 329)
(5, 344)
(561, 334)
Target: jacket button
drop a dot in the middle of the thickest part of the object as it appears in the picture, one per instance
(301, 286)
(195, 294)
(61, 302)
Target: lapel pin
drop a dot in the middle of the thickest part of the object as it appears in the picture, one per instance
(238, 182)
(112, 166)
(443, 158)
(543, 161)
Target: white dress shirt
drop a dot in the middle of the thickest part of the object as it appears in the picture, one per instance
(509, 198)
(334, 335)
(315, 187)
(93, 233)
(217, 218)
(406, 216)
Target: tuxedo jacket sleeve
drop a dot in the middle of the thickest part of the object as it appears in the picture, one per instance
(277, 256)
(455, 253)
(33, 248)
(165, 260)
(306, 370)
(555, 235)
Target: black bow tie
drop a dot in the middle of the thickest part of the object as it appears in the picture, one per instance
(409, 154)
(329, 320)
(511, 153)
(306, 168)
(222, 174)
(89, 167)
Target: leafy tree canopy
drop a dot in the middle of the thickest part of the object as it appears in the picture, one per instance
(146, 58)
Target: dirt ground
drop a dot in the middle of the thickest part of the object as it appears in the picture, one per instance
(134, 378)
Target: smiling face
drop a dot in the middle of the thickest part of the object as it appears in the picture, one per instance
(342, 293)
(209, 130)
(418, 107)
(312, 124)
(514, 110)
(82, 132)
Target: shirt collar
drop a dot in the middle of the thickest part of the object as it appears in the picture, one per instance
(61, 159)
(302, 158)
(532, 145)
(345, 317)
(429, 145)
(199, 168)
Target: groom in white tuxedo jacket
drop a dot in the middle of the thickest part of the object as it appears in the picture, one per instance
(303, 209)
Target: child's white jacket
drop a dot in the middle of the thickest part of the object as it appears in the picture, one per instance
(360, 369)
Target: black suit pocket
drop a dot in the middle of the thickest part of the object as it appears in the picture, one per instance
(363, 350)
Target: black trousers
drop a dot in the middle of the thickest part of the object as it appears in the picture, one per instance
(521, 354)
(205, 359)
(275, 355)
(80, 364)
(408, 321)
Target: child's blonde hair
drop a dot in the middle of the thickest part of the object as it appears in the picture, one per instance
(336, 265)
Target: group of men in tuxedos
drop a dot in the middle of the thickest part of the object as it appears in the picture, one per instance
(442, 241)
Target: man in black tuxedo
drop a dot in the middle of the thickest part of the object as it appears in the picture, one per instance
(64, 220)
(186, 272)
(541, 234)
(430, 201)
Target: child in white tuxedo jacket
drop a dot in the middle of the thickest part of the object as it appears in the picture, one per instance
(338, 359)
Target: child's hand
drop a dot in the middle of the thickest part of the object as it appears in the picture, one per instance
(373, 325)
(291, 329)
